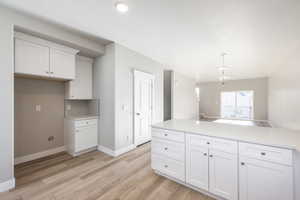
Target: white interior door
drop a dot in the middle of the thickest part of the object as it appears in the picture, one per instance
(143, 104)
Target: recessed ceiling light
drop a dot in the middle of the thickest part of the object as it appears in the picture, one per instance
(121, 7)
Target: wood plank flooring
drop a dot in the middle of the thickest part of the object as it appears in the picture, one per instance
(96, 176)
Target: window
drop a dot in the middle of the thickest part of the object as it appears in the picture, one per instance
(237, 105)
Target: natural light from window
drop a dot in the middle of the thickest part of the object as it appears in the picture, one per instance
(237, 105)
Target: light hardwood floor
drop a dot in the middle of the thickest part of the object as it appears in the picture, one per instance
(96, 175)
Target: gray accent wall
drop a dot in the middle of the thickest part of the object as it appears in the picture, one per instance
(210, 96)
(9, 19)
(32, 127)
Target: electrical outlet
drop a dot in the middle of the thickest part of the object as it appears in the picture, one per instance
(50, 138)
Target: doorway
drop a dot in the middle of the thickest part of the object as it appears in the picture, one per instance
(143, 106)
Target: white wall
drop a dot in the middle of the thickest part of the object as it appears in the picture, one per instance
(114, 87)
(126, 61)
(104, 89)
(210, 96)
(184, 100)
(8, 19)
(284, 95)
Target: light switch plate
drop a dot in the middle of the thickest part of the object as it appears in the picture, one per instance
(69, 107)
(38, 108)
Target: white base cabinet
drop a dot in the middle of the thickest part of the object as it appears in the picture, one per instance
(211, 169)
(81, 135)
(222, 168)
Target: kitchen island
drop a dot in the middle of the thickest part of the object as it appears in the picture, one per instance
(228, 161)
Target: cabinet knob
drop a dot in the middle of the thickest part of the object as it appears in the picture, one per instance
(166, 134)
(166, 166)
(207, 142)
(166, 148)
(263, 153)
(205, 154)
(242, 163)
(211, 156)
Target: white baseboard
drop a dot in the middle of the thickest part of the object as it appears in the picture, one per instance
(39, 155)
(125, 149)
(116, 153)
(7, 185)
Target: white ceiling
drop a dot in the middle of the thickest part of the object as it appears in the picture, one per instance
(188, 35)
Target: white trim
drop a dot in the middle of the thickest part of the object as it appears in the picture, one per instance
(39, 155)
(125, 150)
(7, 185)
(106, 150)
(115, 153)
(39, 41)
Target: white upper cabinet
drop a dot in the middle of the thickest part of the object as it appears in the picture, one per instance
(31, 59)
(82, 86)
(38, 57)
(62, 64)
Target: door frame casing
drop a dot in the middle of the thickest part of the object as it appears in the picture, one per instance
(137, 72)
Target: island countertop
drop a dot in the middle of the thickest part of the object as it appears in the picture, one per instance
(276, 137)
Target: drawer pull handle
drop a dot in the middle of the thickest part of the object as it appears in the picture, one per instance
(242, 163)
(205, 154)
(263, 153)
(166, 166)
(166, 148)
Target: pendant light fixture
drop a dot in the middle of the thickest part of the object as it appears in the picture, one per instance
(222, 70)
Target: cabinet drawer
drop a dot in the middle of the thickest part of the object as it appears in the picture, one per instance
(261, 152)
(227, 146)
(170, 149)
(80, 123)
(167, 134)
(168, 166)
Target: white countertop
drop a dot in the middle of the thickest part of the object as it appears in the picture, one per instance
(81, 117)
(276, 137)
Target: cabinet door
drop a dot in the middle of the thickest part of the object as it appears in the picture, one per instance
(261, 180)
(62, 64)
(85, 138)
(196, 165)
(31, 59)
(223, 174)
(81, 87)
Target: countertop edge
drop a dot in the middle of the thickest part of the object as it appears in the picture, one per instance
(294, 148)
